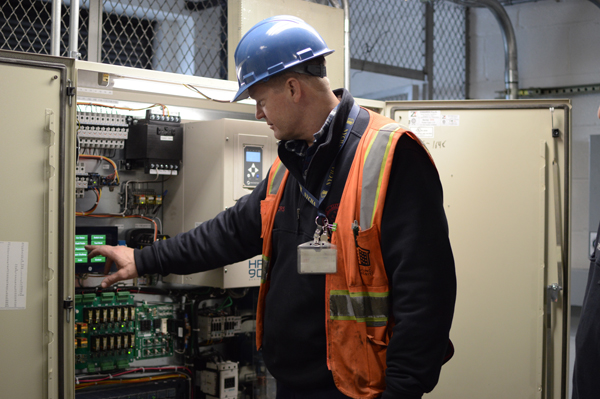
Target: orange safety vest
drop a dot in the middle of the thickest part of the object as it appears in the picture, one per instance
(357, 295)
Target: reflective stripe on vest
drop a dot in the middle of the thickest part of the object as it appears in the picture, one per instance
(275, 180)
(373, 169)
(364, 307)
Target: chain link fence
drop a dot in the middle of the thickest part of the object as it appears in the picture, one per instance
(387, 33)
(450, 51)
(190, 36)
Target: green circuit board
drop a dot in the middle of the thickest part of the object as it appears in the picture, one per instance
(111, 331)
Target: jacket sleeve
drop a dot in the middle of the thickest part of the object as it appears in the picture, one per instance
(232, 236)
(420, 267)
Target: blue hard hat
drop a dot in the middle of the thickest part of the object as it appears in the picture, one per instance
(274, 45)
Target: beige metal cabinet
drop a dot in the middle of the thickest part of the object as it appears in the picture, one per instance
(504, 167)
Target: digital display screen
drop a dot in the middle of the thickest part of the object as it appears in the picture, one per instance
(80, 252)
(253, 156)
(100, 235)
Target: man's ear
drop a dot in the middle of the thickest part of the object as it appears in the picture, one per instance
(293, 88)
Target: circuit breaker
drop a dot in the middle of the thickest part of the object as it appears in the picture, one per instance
(224, 160)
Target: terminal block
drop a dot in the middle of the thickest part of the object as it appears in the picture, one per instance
(102, 130)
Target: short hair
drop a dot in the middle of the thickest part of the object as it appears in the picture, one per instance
(304, 71)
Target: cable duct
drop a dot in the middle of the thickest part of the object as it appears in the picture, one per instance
(511, 74)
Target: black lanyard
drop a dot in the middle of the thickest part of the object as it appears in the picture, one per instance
(329, 177)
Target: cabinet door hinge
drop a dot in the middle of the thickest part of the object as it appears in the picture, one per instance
(70, 92)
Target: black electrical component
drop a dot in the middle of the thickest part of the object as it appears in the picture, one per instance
(155, 143)
(140, 238)
(97, 181)
(145, 325)
(176, 327)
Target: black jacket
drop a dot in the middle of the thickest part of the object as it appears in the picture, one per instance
(586, 384)
(415, 247)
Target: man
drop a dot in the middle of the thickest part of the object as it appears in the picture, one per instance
(586, 384)
(382, 327)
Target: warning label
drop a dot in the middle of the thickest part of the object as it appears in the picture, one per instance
(431, 118)
(424, 118)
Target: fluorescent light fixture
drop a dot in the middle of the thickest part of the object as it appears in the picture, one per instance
(175, 89)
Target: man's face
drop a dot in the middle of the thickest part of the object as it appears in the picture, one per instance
(275, 106)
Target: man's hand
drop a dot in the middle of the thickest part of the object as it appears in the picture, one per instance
(123, 258)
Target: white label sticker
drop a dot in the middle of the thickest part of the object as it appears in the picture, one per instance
(90, 90)
(424, 118)
(170, 172)
(142, 226)
(166, 138)
(450, 120)
(423, 132)
(13, 275)
(96, 99)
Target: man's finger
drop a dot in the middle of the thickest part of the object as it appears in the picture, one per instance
(107, 265)
(109, 280)
(93, 250)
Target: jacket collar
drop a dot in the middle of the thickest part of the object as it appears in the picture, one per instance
(325, 152)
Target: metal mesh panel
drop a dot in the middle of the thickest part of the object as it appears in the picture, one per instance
(388, 32)
(392, 35)
(167, 35)
(25, 26)
(449, 51)
(190, 36)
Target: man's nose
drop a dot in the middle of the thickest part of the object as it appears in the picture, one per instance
(259, 114)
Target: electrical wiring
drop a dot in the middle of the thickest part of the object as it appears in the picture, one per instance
(127, 190)
(175, 372)
(104, 377)
(189, 86)
(100, 157)
(118, 215)
(226, 303)
(159, 221)
(91, 210)
(164, 107)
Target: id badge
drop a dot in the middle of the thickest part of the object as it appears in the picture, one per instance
(317, 258)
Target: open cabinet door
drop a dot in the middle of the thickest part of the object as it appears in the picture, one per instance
(504, 167)
(33, 227)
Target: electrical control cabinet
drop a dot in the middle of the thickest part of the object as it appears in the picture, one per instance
(157, 338)
(223, 161)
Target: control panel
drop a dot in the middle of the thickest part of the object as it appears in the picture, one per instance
(253, 166)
